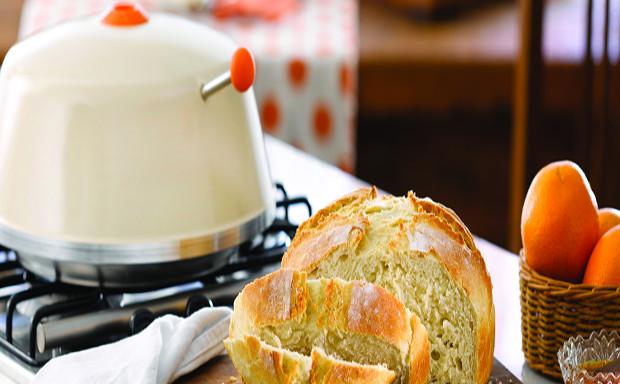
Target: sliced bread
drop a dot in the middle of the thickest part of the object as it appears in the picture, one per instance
(355, 322)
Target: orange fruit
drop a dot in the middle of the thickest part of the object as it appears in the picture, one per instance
(603, 268)
(559, 222)
(607, 219)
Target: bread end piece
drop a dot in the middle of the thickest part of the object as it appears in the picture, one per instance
(258, 362)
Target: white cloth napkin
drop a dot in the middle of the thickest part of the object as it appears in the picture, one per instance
(168, 348)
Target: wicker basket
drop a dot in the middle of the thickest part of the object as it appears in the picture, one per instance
(552, 311)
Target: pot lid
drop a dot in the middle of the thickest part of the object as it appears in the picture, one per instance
(123, 46)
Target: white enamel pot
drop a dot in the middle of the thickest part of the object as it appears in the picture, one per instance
(113, 164)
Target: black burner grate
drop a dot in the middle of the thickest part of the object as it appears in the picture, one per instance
(18, 287)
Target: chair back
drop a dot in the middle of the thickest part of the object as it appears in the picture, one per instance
(597, 137)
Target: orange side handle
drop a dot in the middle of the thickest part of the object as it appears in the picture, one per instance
(242, 69)
(124, 14)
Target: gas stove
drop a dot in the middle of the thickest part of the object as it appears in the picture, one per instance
(42, 318)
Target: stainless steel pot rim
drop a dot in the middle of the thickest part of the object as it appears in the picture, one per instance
(126, 277)
(133, 253)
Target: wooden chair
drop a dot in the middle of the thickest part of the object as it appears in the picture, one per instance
(597, 139)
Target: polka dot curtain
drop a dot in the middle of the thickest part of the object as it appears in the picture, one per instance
(306, 64)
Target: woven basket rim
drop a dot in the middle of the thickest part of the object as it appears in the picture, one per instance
(551, 282)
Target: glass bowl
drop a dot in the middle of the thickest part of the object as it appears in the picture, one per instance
(600, 346)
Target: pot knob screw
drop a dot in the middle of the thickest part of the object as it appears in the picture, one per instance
(240, 75)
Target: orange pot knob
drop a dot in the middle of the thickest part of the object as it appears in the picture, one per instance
(242, 69)
(124, 14)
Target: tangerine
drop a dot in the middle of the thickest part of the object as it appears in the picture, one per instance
(559, 222)
(607, 219)
(603, 268)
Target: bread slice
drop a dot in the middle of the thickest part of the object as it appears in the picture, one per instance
(258, 362)
(356, 322)
(422, 253)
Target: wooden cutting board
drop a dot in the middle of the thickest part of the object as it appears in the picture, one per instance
(220, 370)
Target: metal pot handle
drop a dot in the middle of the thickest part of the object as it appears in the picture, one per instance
(240, 75)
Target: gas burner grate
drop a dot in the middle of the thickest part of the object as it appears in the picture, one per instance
(36, 336)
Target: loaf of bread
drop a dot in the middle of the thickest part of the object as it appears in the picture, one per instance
(423, 254)
(282, 323)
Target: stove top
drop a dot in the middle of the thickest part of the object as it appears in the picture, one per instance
(41, 319)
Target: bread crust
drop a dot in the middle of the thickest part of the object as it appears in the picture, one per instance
(258, 363)
(333, 371)
(374, 311)
(431, 228)
(325, 237)
(426, 234)
(274, 298)
(419, 371)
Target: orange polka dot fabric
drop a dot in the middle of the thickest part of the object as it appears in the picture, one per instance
(322, 123)
(297, 72)
(270, 115)
(306, 65)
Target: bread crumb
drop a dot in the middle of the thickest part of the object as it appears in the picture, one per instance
(232, 379)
